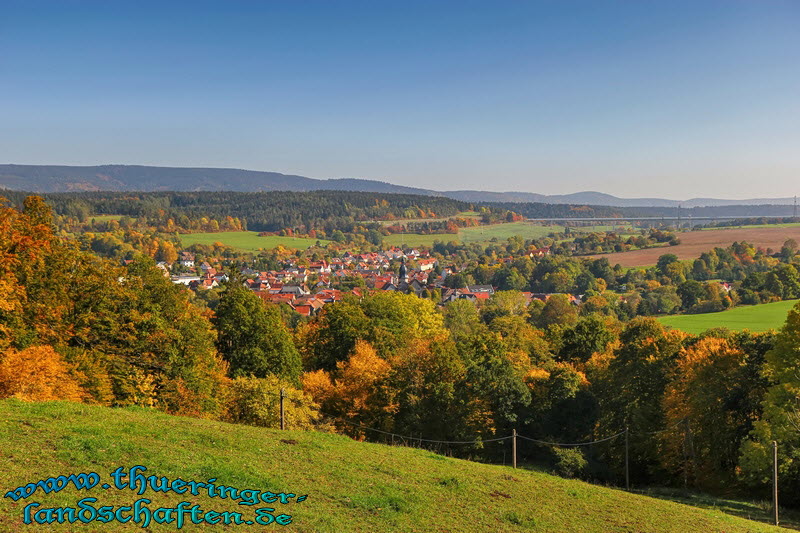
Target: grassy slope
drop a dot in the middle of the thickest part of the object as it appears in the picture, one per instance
(248, 241)
(753, 317)
(351, 486)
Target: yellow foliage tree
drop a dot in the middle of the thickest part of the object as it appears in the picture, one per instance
(355, 390)
(359, 376)
(256, 402)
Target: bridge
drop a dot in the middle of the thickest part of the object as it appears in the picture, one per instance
(646, 218)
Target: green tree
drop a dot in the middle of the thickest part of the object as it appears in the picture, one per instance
(492, 381)
(461, 318)
(505, 303)
(427, 380)
(662, 265)
(630, 390)
(691, 292)
(252, 336)
(589, 335)
(781, 416)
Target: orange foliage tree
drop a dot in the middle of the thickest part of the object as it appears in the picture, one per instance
(37, 374)
(710, 405)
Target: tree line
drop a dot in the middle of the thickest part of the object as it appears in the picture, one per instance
(324, 211)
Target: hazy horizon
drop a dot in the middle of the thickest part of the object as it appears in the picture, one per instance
(672, 100)
(677, 199)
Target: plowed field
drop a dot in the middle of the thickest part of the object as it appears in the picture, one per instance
(694, 243)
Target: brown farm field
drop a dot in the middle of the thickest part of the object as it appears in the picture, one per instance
(694, 243)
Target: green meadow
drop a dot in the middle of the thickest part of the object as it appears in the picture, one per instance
(413, 239)
(746, 226)
(248, 241)
(105, 218)
(350, 486)
(753, 317)
(463, 214)
(500, 232)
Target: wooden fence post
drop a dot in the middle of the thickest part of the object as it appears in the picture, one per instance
(514, 448)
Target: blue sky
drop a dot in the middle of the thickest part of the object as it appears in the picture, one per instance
(634, 98)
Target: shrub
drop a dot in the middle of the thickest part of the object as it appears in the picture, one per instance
(569, 462)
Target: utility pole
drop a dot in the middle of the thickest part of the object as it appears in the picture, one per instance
(627, 468)
(283, 395)
(775, 479)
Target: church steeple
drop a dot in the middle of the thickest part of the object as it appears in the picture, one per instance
(403, 271)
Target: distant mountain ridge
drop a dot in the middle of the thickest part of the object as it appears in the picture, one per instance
(61, 178)
(599, 198)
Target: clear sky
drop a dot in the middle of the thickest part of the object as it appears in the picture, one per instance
(634, 98)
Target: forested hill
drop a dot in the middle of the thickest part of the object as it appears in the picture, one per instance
(262, 211)
(59, 178)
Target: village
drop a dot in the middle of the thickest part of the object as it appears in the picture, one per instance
(308, 288)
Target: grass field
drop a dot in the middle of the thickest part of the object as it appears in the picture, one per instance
(753, 317)
(412, 239)
(784, 225)
(351, 486)
(463, 214)
(105, 218)
(485, 234)
(248, 241)
(526, 230)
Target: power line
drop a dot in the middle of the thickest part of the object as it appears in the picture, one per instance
(676, 424)
(419, 439)
(567, 444)
(496, 439)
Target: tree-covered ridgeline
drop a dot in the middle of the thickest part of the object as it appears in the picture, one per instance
(258, 211)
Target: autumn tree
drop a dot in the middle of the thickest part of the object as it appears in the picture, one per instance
(710, 405)
(37, 374)
(557, 310)
(256, 402)
(355, 391)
